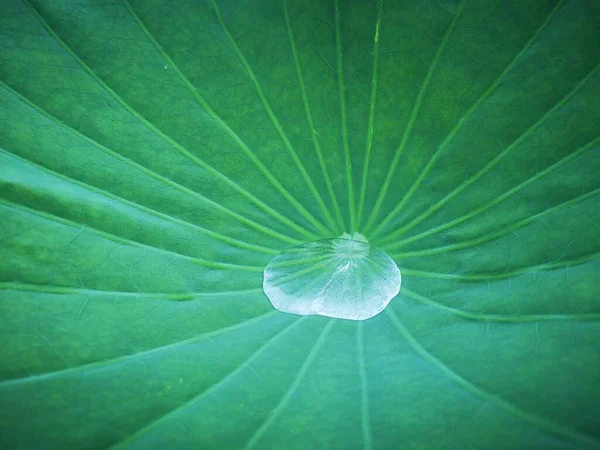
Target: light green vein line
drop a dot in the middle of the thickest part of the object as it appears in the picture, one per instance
(288, 145)
(299, 261)
(343, 118)
(238, 140)
(162, 420)
(220, 237)
(486, 94)
(542, 423)
(364, 388)
(510, 227)
(300, 273)
(413, 117)
(492, 276)
(121, 240)
(113, 361)
(511, 318)
(371, 123)
(306, 289)
(51, 346)
(313, 131)
(534, 127)
(150, 173)
(378, 271)
(155, 129)
(293, 387)
(67, 290)
(485, 238)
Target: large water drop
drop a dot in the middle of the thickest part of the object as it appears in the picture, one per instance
(345, 278)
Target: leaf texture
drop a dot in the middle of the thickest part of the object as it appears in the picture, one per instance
(155, 156)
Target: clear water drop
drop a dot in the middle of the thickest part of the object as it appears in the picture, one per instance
(345, 278)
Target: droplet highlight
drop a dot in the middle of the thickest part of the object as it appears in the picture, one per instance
(345, 278)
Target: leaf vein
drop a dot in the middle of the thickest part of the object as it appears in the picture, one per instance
(534, 127)
(541, 422)
(284, 138)
(149, 172)
(293, 387)
(364, 388)
(47, 289)
(202, 395)
(122, 240)
(464, 119)
(218, 236)
(343, 118)
(128, 357)
(510, 318)
(491, 276)
(313, 132)
(488, 237)
(413, 117)
(137, 115)
(371, 120)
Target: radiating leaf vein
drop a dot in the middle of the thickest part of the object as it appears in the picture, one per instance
(259, 433)
(122, 240)
(465, 184)
(113, 361)
(205, 393)
(510, 318)
(284, 138)
(462, 120)
(413, 117)
(255, 225)
(155, 129)
(541, 422)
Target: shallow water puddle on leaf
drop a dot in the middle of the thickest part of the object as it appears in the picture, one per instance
(345, 278)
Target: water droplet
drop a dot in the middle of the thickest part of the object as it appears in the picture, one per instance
(345, 278)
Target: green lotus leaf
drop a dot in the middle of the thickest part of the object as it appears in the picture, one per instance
(156, 156)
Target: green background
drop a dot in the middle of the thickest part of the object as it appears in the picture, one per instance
(156, 155)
